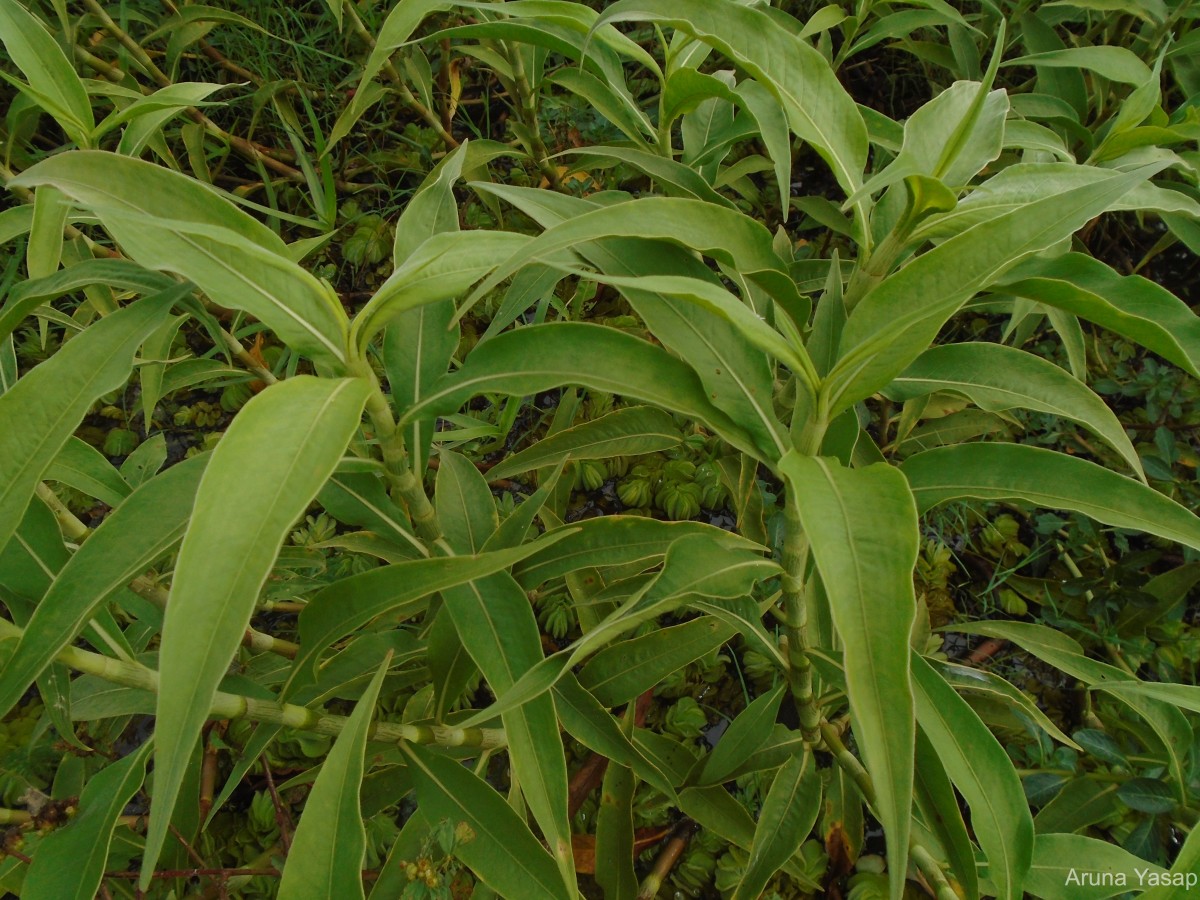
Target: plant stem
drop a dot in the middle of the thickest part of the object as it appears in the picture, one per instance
(527, 109)
(235, 706)
(795, 614)
(405, 484)
(933, 872)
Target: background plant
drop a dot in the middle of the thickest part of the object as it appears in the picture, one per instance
(328, 493)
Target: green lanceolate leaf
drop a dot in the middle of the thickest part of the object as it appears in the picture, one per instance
(615, 541)
(274, 458)
(118, 273)
(726, 235)
(996, 378)
(50, 401)
(626, 432)
(614, 826)
(745, 734)
(496, 624)
(172, 223)
(402, 589)
(619, 673)
(1047, 479)
(83, 467)
(327, 852)
(862, 527)
(898, 320)
(69, 862)
(465, 507)
(500, 850)
(146, 525)
(439, 269)
(1128, 305)
(940, 810)
(1059, 860)
(541, 357)
(52, 80)
(788, 814)
(818, 108)
(983, 774)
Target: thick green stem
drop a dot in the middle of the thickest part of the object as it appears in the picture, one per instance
(795, 613)
(527, 109)
(406, 486)
(933, 872)
(235, 706)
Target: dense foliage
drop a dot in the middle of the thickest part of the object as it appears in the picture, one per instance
(539, 449)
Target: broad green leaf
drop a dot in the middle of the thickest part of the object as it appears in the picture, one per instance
(983, 774)
(465, 507)
(441, 268)
(788, 814)
(52, 79)
(610, 103)
(69, 862)
(1024, 183)
(50, 401)
(118, 273)
(614, 826)
(730, 366)
(614, 541)
(540, 357)
(502, 850)
(626, 432)
(495, 621)
(862, 527)
(169, 222)
(745, 735)
(724, 234)
(1129, 305)
(432, 209)
(773, 129)
(44, 250)
(995, 378)
(130, 539)
(994, 687)
(941, 811)
(160, 106)
(889, 328)
(818, 108)
(84, 468)
(673, 178)
(275, 456)
(593, 726)
(1113, 63)
(1062, 862)
(1080, 803)
(402, 589)
(330, 844)
(1050, 480)
(619, 673)
(951, 138)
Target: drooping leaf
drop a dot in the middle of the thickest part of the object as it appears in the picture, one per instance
(996, 378)
(169, 222)
(69, 862)
(626, 432)
(541, 357)
(50, 401)
(133, 536)
(327, 852)
(862, 527)
(501, 850)
(273, 459)
(788, 814)
(983, 774)
(889, 328)
(1047, 479)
